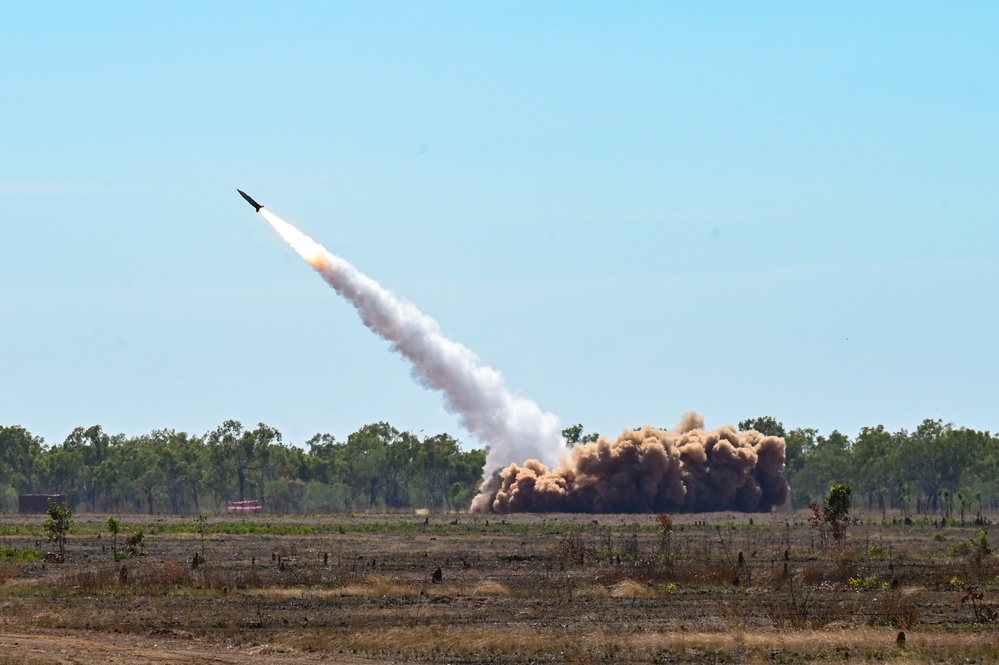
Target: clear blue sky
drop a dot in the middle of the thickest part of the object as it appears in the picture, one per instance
(632, 210)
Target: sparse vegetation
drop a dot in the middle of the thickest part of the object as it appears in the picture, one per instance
(870, 583)
(20, 554)
(977, 547)
(523, 588)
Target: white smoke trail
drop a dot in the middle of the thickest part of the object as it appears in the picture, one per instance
(514, 428)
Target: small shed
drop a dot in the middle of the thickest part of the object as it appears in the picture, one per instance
(38, 503)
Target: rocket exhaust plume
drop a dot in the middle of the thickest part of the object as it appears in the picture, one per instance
(686, 469)
(513, 427)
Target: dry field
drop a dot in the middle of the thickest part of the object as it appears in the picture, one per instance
(522, 588)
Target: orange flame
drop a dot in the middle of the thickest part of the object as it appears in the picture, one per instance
(310, 250)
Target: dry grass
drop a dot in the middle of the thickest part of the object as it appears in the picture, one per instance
(704, 572)
(630, 589)
(898, 609)
(378, 586)
(528, 588)
(484, 643)
(7, 571)
(490, 588)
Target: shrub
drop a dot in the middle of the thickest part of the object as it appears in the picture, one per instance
(135, 543)
(981, 544)
(978, 546)
(961, 549)
(871, 583)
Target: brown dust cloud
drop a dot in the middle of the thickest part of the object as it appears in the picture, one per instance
(686, 469)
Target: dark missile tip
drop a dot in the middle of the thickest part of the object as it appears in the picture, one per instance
(256, 206)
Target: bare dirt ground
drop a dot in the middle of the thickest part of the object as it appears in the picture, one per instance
(49, 647)
(513, 589)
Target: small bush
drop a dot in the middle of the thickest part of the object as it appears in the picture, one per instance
(135, 543)
(979, 546)
(872, 583)
(982, 545)
(900, 610)
(812, 573)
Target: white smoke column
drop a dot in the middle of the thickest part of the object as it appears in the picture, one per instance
(514, 428)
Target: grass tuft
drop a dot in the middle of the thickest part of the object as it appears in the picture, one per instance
(630, 589)
(491, 588)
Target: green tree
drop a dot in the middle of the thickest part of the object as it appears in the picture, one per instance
(91, 446)
(435, 461)
(400, 468)
(115, 528)
(181, 459)
(961, 450)
(919, 453)
(18, 452)
(325, 473)
(766, 425)
(61, 471)
(266, 441)
(58, 524)
(573, 435)
(836, 513)
(202, 520)
(364, 458)
(825, 461)
(873, 459)
(233, 449)
(985, 474)
(284, 471)
(937, 456)
(150, 476)
(801, 443)
(324, 459)
(466, 477)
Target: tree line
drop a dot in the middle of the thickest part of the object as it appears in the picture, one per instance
(937, 469)
(377, 467)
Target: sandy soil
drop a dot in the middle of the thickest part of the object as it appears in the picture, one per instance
(49, 647)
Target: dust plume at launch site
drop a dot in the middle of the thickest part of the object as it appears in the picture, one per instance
(528, 468)
(686, 469)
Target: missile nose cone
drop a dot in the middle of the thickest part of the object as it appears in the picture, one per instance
(256, 206)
